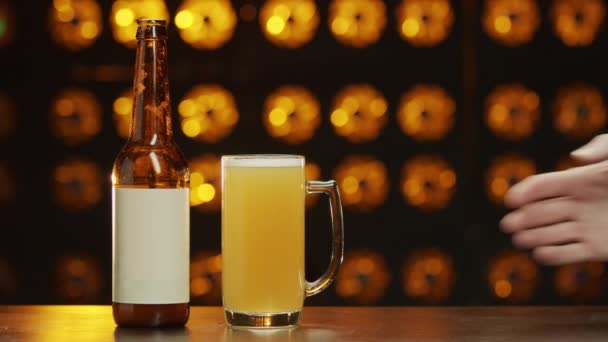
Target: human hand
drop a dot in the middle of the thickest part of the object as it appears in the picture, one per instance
(563, 216)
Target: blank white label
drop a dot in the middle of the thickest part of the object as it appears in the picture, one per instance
(150, 246)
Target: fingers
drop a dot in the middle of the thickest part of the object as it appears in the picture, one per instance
(594, 151)
(539, 214)
(559, 233)
(538, 187)
(558, 255)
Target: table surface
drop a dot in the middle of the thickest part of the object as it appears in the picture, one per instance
(94, 323)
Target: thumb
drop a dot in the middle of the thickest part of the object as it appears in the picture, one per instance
(594, 151)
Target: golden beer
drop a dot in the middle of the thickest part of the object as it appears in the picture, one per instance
(263, 236)
(263, 282)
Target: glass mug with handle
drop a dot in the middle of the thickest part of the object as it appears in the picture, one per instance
(263, 282)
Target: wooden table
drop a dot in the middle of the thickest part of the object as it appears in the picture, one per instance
(319, 324)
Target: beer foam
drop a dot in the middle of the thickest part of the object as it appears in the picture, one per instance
(263, 160)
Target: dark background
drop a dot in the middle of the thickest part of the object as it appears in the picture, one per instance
(38, 235)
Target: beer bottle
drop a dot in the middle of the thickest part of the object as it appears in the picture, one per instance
(150, 193)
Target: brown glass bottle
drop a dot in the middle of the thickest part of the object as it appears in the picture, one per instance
(150, 210)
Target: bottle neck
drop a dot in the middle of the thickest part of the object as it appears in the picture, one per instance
(151, 106)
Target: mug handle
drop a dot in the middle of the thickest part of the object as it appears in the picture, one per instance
(330, 188)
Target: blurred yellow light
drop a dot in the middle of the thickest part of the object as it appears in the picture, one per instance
(275, 25)
(579, 111)
(206, 278)
(184, 19)
(513, 276)
(77, 184)
(363, 277)
(78, 279)
(205, 183)
(289, 23)
(424, 22)
(191, 128)
(511, 23)
(577, 22)
(502, 24)
(291, 114)
(428, 276)
(512, 111)
(363, 181)
(277, 117)
(208, 113)
(206, 24)
(124, 17)
(75, 24)
(428, 182)
(504, 172)
(339, 117)
(75, 116)
(359, 113)
(426, 112)
(206, 192)
(89, 30)
(581, 283)
(410, 27)
(123, 107)
(357, 23)
(125, 13)
(502, 288)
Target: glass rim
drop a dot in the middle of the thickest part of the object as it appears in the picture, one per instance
(263, 160)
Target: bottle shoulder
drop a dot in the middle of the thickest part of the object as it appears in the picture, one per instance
(162, 166)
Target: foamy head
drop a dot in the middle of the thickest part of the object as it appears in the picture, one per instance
(263, 160)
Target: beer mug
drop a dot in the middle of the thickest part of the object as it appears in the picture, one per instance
(263, 282)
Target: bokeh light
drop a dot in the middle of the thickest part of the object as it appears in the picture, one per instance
(7, 23)
(428, 182)
(511, 23)
(579, 111)
(512, 111)
(8, 117)
(504, 172)
(513, 277)
(363, 182)
(206, 183)
(206, 278)
(124, 17)
(75, 24)
(289, 23)
(77, 184)
(581, 283)
(7, 184)
(428, 276)
(207, 24)
(577, 22)
(292, 114)
(123, 113)
(426, 112)
(78, 279)
(312, 171)
(363, 278)
(75, 116)
(357, 23)
(208, 113)
(8, 282)
(359, 113)
(424, 23)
